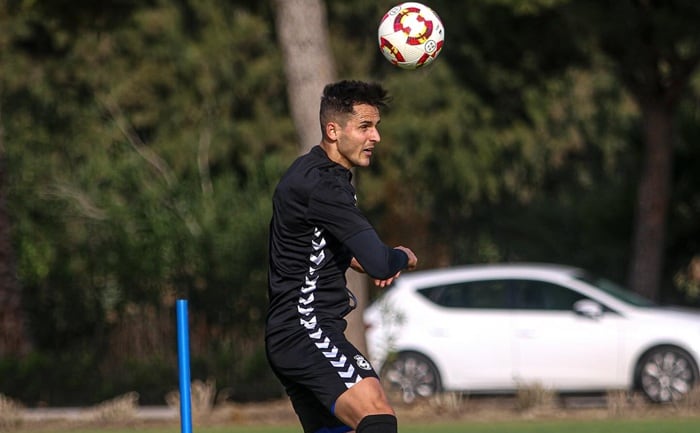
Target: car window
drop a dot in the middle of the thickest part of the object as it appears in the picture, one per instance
(488, 294)
(504, 294)
(615, 290)
(541, 295)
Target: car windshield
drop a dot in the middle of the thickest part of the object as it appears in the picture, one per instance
(615, 290)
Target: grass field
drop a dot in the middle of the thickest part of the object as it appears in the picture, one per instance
(681, 425)
(528, 413)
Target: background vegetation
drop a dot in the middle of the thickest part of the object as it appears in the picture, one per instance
(140, 142)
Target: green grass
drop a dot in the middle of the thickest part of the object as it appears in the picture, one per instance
(666, 425)
(569, 426)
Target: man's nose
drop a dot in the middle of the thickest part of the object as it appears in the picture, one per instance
(375, 135)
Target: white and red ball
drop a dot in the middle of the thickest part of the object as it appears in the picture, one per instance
(411, 35)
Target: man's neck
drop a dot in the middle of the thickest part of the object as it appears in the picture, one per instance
(332, 152)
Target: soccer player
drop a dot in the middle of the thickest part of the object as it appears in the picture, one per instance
(316, 233)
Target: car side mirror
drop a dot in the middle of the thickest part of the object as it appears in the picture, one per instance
(588, 308)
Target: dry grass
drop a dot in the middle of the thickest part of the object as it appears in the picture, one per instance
(119, 409)
(625, 403)
(533, 402)
(621, 403)
(691, 403)
(202, 397)
(10, 413)
(537, 402)
(535, 399)
(449, 403)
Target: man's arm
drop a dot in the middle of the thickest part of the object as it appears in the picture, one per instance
(377, 259)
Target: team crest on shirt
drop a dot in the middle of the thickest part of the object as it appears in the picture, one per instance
(362, 362)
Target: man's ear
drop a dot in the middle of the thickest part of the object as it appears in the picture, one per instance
(332, 130)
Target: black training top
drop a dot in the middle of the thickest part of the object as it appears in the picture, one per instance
(315, 231)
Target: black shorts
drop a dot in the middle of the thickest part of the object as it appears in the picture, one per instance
(315, 368)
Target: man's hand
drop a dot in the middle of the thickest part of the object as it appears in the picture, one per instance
(388, 281)
(412, 259)
(355, 265)
(412, 263)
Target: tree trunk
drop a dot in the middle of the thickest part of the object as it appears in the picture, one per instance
(653, 196)
(302, 31)
(357, 283)
(14, 339)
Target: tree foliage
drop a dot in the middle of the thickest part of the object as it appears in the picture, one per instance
(140, 165)
(143, 140)
(490, 156)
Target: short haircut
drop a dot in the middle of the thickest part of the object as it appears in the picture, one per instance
(339, 99)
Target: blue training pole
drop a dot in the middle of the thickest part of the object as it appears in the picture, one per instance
(183, 361)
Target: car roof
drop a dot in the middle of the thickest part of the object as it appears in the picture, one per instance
(496, 270)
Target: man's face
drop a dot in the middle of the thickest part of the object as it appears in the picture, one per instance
(356, 139)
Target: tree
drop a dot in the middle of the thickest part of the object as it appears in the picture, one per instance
(507, 54)
(302, 31)
(654, 47)
(14, 339)
(138, 163)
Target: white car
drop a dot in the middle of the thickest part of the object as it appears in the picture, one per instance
(499, 328)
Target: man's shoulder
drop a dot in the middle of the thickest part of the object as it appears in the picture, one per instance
(313, 169)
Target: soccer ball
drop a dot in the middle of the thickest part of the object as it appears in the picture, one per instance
(411, 35)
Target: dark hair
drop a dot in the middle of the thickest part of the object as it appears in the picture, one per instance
(339, 98)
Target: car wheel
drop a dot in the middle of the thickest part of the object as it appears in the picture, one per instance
(412, 375)
(666, 374)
